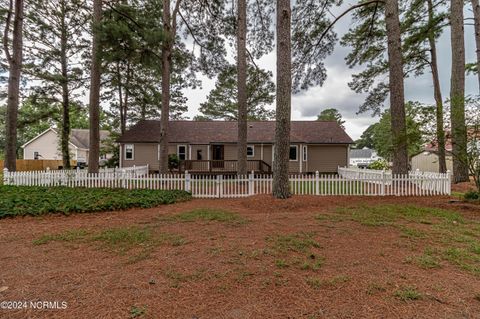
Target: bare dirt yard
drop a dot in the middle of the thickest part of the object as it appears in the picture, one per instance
(306, 257)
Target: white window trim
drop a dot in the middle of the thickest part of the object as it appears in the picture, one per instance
(125, 152)
(253, 150)
(305, 153)
(178, 151)
(296, 152)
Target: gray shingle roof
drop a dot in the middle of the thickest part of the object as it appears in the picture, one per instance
(81, 137)
(363, 153)
(205, 132)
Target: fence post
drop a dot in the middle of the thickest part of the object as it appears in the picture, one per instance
(448, 188)
(317, 183)
(251, 179)
(187, 181)
(6, 176)
(48, 176)
(218, 186)
(122, 178)
(384, 182)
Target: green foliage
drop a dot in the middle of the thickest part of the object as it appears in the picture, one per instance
(331, 115)
(379, 165)
(20, 201)
(471, 195)
(368, 39)
(222, 100)
(173, 161)
(366, 139)
(417, 117)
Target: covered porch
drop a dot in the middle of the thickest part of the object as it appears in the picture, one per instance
(222, 166)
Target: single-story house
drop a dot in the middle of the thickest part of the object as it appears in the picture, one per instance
(363, 157)
(46, 145)
(427, 159)
(212, 145)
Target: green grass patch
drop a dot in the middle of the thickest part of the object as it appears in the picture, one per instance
(208, 214)
(428, 260)
(295, 250)
(318, 283)
(408, 294)
(374, 288)
(384, 215)
(451, 237)
(412, 233)
(23, 200)
(140, 240)
(299, 242)
(137, 312)
(68, 236)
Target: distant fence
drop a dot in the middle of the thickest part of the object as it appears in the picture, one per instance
(37, 165)
(348, 182)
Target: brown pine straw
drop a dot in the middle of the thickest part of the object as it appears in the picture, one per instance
(228, 270)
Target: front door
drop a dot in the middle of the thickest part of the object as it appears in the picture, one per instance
(217, 155)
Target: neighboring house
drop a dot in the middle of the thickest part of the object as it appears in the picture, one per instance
(315, 145)
(363, 157)
(46, 145)
(427, 159)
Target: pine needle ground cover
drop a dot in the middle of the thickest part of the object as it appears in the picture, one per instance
(21, 201)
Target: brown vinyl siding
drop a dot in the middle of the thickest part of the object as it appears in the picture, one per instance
(326, 158)
(322, 158)
(203, 148)
(143, 154)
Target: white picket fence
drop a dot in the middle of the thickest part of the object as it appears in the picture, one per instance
(349, 182)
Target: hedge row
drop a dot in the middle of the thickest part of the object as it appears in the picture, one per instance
(20, 201)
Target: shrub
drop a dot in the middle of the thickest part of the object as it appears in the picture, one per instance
(379, 165)
(173, 161)
(23, 200)
(471, 195)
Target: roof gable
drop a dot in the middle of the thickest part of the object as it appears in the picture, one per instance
(79, 138)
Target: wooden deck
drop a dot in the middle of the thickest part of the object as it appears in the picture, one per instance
(222, 167)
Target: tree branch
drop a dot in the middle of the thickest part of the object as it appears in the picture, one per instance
(345, 13)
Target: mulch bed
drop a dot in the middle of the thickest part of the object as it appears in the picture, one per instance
(223, 270)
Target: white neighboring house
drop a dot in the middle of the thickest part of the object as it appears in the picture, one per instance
(46, 145)
(363, 157)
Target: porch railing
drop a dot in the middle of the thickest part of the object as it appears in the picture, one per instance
(225, 166)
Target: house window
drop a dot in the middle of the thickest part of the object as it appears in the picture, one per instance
(129, 152)
(305, 153)
(35, 155)
(250, 151)
(199, 155)
(182, 152)
(293, 152)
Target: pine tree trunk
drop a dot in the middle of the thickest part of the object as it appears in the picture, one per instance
(65, 136)
(127, 96)
(13, 98)
(397, 99)
(94, 107)
(242, 86)
(283, 111)
(476, 19)
(457, 94)
(166, 73)
(437, 92)
(120, 99)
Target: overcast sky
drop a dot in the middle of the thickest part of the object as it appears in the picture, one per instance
(335, 92)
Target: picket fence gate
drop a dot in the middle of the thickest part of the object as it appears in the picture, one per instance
(348, 182)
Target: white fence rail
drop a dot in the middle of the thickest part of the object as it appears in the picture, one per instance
(349, 182)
